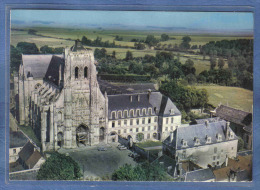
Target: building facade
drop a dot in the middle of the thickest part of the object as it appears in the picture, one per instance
(206, 145)
(60, 98)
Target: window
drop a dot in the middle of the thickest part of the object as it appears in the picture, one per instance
(113, 124)
(125, 122)
(125, 114)
(219, 137)
(142, 128)
(131, 129)
(149, 120)
(214, 157)
(143, 121)
(155, 119)
(217, 162)
(208, 139)
(131, 113)
(76, 72)
(172, 120)
(197, 141)
(119, 114)
(137, 129)
(113, 115)
(167, 120)
(60, 116)
(85, 72)
(148, 136)
(137, 121)
(131, 121)
(149, 128)
(215, 150)
(232, 148)
(171, 111)
(150, 111)
(138, 113)
(119, 122)
(166, 128)
(144, 111)
(154, 127)
(124, 130)
(119, 131)
(183, 142)
(14, 151)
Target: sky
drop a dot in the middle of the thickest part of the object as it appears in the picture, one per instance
(239, 21)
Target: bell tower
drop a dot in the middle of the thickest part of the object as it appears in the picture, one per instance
(83, 100)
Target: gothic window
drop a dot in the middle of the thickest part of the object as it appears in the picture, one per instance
(76, 72)
(85, 72)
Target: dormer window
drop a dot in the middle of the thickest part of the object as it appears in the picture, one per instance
(196, 141)
(183, 143)
(208, 139)
(171, 111)
(219, 137)
(231, 135)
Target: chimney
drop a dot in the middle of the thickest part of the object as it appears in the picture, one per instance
(171, 136)
(131, 98)
(149, 93)
(227, 129)
(138, 97)
(226, 161)
(207, 123)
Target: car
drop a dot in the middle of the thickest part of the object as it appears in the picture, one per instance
(102, 148)
(121, 147)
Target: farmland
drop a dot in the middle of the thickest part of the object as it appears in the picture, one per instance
(62, 37)
(232, 96)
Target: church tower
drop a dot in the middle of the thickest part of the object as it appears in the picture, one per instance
(84, 104)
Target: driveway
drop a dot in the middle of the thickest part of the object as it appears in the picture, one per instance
(97, 164)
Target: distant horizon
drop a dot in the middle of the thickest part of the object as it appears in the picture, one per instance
(172, 22)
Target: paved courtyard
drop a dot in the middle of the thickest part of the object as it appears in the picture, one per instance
(97, 164)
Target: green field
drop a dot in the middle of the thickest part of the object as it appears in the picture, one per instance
(63, 34)
(232, 96)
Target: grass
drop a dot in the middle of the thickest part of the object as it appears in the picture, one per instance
(232, 96)
(147, 144)
(30, 133)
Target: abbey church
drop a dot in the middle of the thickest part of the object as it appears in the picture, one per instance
(60, 97)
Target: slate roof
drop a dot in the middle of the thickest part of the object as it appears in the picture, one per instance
(52, 73)
(33, 159)
(111, 89)
(26, 151)
(200, 175)
(234, 115)
(154, 100)
(17, 139)
(37, 65)
(200, 131)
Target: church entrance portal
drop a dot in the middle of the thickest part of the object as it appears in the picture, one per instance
(82, 135)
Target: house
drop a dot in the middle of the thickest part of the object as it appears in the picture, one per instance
(241, 122)
(201, 175)
(235, 170)
(206, 145)
(30, 157)
(17, 142)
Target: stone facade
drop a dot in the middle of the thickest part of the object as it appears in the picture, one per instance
(60, 98)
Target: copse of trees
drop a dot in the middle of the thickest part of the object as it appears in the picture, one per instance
(165, 37)
(185, 97)
(142, 172)
(185, 42)
(151, 40)
(59, 167)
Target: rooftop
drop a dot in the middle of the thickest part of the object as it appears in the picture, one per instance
(200, 175)
(17, 139)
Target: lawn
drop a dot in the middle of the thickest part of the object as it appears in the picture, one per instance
(147, 144)
(232, 96)
(30, 133)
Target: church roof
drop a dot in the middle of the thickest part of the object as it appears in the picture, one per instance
(198, 131)
(37, 64)
(52, 73)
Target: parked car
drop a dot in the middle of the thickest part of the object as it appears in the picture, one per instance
(102, 148)
(121, 147)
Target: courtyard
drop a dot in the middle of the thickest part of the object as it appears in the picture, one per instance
(97, 165)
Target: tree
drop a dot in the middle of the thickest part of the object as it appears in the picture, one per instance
(164, 37)
(139, 136)
(46, 50)
(221, 63)
(27, 48)
(15, 58)
(129, 56)
(185, 42)
(32, 31)
(151, 40)
(114, 54)
(213, 62)
(59, 167)
(139, 46)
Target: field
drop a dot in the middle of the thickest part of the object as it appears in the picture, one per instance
(62, 37)
(232, 96)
